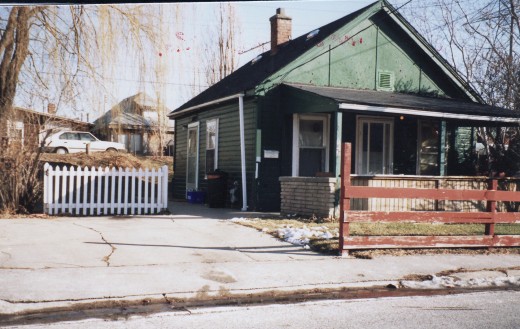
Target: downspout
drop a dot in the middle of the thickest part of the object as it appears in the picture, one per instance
(242, 151)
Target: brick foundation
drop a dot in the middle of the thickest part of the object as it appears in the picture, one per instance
(308, 196)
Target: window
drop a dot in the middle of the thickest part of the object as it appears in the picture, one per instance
(15, 130)
(374, 147)
(70, 136)
(86, 137)
(211, 145)
(310, 144)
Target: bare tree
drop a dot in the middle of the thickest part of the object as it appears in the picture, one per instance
(59, 52)
(481, 39)
(221, 45)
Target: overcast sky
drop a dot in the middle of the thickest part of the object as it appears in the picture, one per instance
(188, 24)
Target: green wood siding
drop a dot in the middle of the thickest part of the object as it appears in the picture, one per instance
(374, 45)
(229, 159)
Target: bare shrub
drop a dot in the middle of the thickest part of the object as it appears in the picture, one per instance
(21, 185)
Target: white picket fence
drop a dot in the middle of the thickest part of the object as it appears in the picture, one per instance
(98, 191)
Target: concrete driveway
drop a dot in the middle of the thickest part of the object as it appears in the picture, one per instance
(192, 253)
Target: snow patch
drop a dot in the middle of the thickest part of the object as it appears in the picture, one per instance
(302, 236)
(240, 219)
(440, 282)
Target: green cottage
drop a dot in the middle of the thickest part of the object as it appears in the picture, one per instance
(275, 126)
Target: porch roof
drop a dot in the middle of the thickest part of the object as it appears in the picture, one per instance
(410, 104)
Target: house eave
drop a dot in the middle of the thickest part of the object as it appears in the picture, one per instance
(185, 111)
(423, 113)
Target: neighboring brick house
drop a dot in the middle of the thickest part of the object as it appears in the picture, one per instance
(29, 127)
(137, 122)
(277, 123)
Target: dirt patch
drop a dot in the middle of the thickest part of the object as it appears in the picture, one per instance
(7, 216)
(369, 254)
(219, 276)
(465, 270)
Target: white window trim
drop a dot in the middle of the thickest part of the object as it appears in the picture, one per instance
(192, 125)
(217, 122)
(296, 139)
(359, 140)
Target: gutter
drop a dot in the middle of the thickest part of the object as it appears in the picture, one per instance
(443, 115)
(174, 114)
(242, 150)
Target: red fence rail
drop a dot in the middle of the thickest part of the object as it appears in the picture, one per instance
(490, 217)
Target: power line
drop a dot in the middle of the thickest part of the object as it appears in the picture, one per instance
(128, 80)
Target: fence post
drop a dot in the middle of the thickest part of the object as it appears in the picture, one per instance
(344, 204)
(165, 187)
(153, 200)
(139, 192)
(491, 207)
(64, 188)
(56, 186)
(46, 187)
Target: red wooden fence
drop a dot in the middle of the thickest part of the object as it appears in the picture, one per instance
(490, 217)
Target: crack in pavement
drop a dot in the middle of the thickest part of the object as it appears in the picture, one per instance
(106, 259)
(9, 256)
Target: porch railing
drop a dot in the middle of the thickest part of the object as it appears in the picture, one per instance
(438, 195)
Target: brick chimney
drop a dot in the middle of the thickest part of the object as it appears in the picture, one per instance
(51, 108)
(281, 29)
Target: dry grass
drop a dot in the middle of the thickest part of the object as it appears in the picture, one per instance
(108, 159)
(331, 246)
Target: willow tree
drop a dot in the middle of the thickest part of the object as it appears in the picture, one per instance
(57, 54)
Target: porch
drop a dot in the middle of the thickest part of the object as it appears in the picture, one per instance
(318, 196)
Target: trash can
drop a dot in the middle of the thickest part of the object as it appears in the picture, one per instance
(217, 189)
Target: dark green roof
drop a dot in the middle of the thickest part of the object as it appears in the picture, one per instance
(420, 104)
(255, 72)
(251, 74)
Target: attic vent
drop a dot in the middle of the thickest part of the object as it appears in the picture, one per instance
(385, 81)
(313, 34)
(256, 59)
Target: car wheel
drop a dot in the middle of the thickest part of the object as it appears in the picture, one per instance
(61, 150)
(111, 150)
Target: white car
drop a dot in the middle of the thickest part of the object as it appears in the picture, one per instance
(76, 141)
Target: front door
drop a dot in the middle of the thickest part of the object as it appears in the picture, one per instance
(192, 177)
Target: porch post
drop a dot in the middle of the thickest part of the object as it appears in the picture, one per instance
(338, 133)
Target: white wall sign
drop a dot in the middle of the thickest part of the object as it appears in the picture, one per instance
(271, 154)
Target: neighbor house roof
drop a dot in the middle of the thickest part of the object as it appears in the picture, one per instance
(129, 113)
(53, 117)
(409, 104)
(265, 65)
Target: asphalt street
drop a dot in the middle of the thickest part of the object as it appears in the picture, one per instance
(484, 310)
